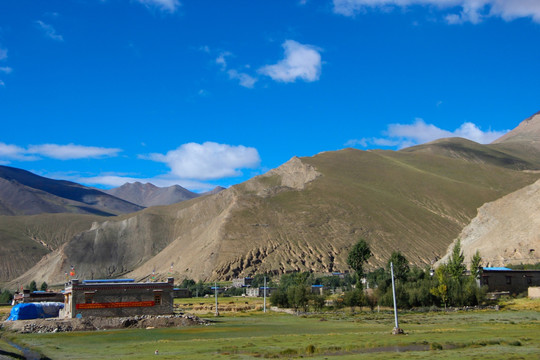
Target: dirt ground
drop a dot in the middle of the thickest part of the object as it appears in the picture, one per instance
(53, 325)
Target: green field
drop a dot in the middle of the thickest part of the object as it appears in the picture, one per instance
(512, 333)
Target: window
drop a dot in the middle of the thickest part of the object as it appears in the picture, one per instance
(157, 297)
(529, 280)
(88, 297)
(508, 280)
(485, 280)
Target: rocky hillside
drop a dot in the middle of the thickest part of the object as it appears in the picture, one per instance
(25, 193)
(24, 240)
(505, 231)
(305, 215)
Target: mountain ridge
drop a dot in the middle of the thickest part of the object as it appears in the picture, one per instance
(148, 194)
(25, 193)
(305, 215)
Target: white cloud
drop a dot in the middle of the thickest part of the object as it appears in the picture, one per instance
(49, 31)
(164, 5)
(13, 152)
(300, 62)
(6, 69)
(467, 10)
(405, 135)
(209, 160)
(244, 79)
(222, 59)
(72, 151)
(59, 152)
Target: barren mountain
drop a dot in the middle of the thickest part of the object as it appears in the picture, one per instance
(25, 193)
(527, 132)
(305, 215)
(150, 195)
(24, 240)
(523, 141)
(505, 231)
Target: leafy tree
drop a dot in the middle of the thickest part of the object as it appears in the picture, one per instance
(441, 290)
(5, 297)
(32, 286)
(377, 278)
(44, 286)
(359, 254)
(476, 261)
(279, 298)
(401, 265)
(318, 301)
(188, 283)
(297, 296)
(258, 280)
(455, 266)
(354, 298)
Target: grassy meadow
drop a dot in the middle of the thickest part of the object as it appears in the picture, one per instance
(510, 333)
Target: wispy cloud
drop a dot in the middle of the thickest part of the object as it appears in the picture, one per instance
(221, 60)
(405, 135)
(300, 62)
(49, 31)
(244, 79)
(4, 69)
(456, 11)
(72, 151)
(206, 161)
(169, 6)
(60, 152)
(13, 152)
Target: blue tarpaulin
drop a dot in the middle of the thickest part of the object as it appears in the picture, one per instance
(27, 311)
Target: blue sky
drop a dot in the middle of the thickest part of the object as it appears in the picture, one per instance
(204, 93)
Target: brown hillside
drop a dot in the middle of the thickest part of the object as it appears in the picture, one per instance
(24, 240)
(305, 215)
(505, 231)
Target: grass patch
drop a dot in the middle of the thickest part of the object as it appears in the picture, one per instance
(272, 335)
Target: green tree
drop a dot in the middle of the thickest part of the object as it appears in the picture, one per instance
(318, 302)
(401, 265)
(5, 297)
(455, 266)
(44, 286)
(279, 298)
(476, 261)
(32, 286)
(359, 254)
(354, 298)
(441, 290)
(297, 295)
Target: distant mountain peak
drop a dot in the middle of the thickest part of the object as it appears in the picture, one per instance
(148, 194)
(25, 193)
(527, 131)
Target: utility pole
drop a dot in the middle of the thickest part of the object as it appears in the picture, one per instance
(396, 330)
(215, 291)
(264, 294)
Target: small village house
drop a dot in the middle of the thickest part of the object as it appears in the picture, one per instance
(118, 297)
(502, 279)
